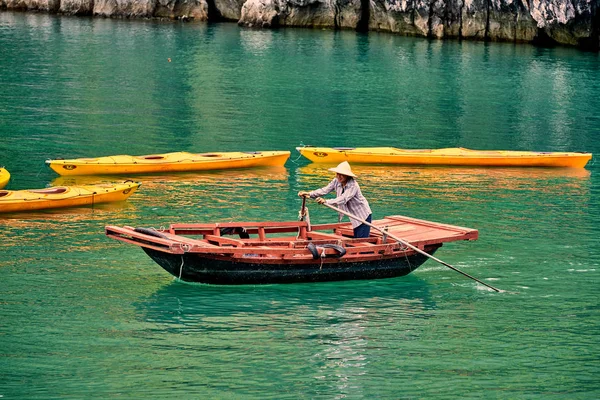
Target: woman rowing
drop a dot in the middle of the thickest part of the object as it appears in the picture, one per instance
(348, 198)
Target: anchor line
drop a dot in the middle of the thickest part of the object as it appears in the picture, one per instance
(299, 155)
(185, 248)
(181, 267)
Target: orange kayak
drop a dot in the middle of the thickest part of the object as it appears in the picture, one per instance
(449, 156)
(64, 196)
(168, 162)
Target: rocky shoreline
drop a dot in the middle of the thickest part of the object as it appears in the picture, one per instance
(542, 22)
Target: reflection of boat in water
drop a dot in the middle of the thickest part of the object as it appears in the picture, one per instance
(449, 156)
(336, 327)
(292, 251)
(167, 162)
(64, 196)
(397, 300)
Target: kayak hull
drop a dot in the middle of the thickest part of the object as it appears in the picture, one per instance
(449, 156)
(168, 162)
(4, 178)
(64, 196)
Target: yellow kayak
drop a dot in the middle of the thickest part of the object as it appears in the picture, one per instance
(450, 156)
(4, 177)
(64, 196)
(168, 162)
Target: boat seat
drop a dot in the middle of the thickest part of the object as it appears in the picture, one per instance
(346, 232)
(57, 190)
(321, 235)
(362, 244)
(187, 241)
(157, 157)
(220, 240)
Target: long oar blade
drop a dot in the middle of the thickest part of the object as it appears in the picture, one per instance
(409, 245)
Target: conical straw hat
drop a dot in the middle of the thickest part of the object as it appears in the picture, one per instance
(344, 169)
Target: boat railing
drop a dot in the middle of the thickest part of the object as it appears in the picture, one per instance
(262, 229)
(190, 229)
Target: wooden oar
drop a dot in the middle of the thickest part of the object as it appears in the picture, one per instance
(301, 217)
(409, 245)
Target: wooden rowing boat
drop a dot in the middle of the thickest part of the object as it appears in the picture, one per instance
(64, 196)
(4, 177)
(167, 162)
(449, 156)
(287, 252)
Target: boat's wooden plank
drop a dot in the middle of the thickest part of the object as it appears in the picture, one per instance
(279, 241)
(345, 232)
(116, 232)
(323, 235)
(269, 253)
(386, 221)
(221, 240)
(166, 249)
(416, 233)
(189, 241)
(400, 229)
(428, 223)
(444, 239)
(329, 227)
(183, 230)
(265, 224)
(430, 236)
(375, 237)
(175, 244)
(361, 244)
(410, 229)
(437, 234)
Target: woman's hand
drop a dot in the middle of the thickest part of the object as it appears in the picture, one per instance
(303, 194)
(320, 200)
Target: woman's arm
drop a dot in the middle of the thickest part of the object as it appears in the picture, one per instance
(324, 190)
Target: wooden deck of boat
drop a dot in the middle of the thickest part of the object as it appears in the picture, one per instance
(417, 232)
(207, 238)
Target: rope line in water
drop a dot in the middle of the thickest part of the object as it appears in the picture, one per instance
(181, 267)
(299, 155)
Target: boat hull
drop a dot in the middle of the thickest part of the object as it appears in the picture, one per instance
(201, 269)
(168, 162)
(64, 196)
(450, 156)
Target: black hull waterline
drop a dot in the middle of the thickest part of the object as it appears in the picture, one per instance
(192, 267)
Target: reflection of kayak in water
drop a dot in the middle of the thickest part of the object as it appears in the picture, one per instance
(283, 252)
(461, 181)
(449, 156)
(168, 162)
(64, 196)
(216, 177)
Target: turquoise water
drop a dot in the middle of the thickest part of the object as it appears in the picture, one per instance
(83, 316)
